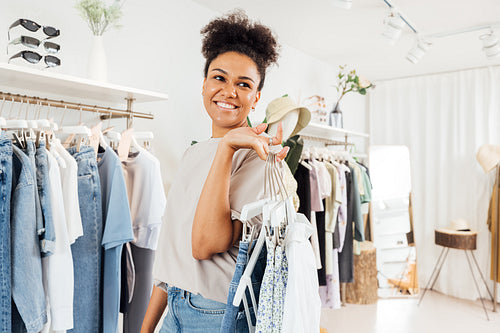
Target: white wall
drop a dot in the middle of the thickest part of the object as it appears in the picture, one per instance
(159, 48)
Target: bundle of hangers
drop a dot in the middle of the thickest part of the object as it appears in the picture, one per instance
(288, 300)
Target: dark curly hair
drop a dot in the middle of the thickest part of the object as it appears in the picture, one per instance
(235, 32)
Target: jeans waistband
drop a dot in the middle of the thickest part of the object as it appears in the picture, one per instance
(182, 292)
(85, 153)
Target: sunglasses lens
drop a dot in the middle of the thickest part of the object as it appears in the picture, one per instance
(51, 47)
(30, 41)
(32, 57)
(30, 25)
(50, 31)
(52, 61)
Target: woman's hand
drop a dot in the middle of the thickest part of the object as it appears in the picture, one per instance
(247, 137)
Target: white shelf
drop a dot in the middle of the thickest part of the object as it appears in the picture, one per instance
(328, 132)
(25, 78)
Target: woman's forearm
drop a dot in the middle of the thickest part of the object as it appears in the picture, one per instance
(157, 304)
(212, 226)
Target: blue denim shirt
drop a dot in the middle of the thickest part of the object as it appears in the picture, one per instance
(48, 237)
(27, 287)
(5, 264)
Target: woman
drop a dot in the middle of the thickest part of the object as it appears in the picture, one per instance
(197, 252)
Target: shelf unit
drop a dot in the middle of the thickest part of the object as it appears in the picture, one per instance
(329, 133)
(23, 79)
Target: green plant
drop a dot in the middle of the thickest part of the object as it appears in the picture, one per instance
(98, 16)
(349, 81)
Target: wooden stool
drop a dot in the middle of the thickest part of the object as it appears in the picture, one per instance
(365, 286)
(460, 240)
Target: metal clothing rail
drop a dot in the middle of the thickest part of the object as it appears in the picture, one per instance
(110, 112)
(329, 142)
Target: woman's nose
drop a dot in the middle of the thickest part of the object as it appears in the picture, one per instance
(229, 91)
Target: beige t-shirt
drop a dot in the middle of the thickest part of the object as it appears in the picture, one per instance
(174, 263)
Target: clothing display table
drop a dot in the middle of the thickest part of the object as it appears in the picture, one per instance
(460, 240)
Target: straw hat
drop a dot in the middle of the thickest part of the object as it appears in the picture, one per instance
(488, 156)
(459, 225)
(281, 106)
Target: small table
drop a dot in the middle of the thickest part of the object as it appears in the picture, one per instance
(460, 240)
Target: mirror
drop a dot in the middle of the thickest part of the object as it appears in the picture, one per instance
(392, 224)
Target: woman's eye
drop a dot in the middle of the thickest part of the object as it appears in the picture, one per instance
(219, 78)
(244, 84)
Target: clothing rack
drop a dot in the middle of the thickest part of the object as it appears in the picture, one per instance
(108, 111)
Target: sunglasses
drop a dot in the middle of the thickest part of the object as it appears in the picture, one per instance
(51, 32)
(34, 43)
(34, 58)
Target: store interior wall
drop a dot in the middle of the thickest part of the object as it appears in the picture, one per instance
(158, 48)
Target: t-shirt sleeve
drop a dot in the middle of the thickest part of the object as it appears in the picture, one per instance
(247, 183)
(118, 223)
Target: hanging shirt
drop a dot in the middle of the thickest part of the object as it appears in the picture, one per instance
(146, 197)
(117, 231)
(69, 181)
(316, 204)
(174, 262)
(302, 308)
(342, 215)
(57, 269)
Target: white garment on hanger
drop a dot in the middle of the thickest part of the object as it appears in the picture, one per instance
(69, 182)
(302, 309)
(58, 279)
(146, 197)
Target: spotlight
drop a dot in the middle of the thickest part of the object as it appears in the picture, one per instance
(344, 4)
(491, 46)
(418, 51)
(393, 27)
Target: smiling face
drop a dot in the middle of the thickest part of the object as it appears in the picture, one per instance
(230, 91)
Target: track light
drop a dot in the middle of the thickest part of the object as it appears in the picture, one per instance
(418, 51)
(393, 27)
(344, 4)
(491, 45)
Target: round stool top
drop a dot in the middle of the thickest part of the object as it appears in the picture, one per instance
(463, 240)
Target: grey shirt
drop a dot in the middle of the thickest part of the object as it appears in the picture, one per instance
(174, 263)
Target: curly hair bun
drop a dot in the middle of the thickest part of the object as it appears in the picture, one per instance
(235, 32)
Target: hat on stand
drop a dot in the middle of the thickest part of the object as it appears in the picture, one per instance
(488, 156)
(281, 106)
(459, 225)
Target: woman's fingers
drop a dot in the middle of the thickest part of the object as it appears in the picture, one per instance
(282, 154)
(260, 129)
(279, 135)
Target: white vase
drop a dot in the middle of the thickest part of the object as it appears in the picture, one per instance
(97, 67)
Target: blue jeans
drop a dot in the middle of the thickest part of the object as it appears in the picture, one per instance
(27, 286)
(5, 265)
(48, 237)
(191, 313)
(234, 314)
(87, 250)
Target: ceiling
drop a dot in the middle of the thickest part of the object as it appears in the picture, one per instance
(353, 37)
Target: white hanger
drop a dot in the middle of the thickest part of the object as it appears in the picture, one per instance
(102, 140)
(43, 123)
(78, 130)
(16, 124)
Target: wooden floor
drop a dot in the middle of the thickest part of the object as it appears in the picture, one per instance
(436, 313)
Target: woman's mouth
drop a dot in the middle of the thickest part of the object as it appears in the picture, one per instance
(226, 106)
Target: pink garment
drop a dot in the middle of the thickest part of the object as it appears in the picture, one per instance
(330, 294)
(342, 217)
(316, 203)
